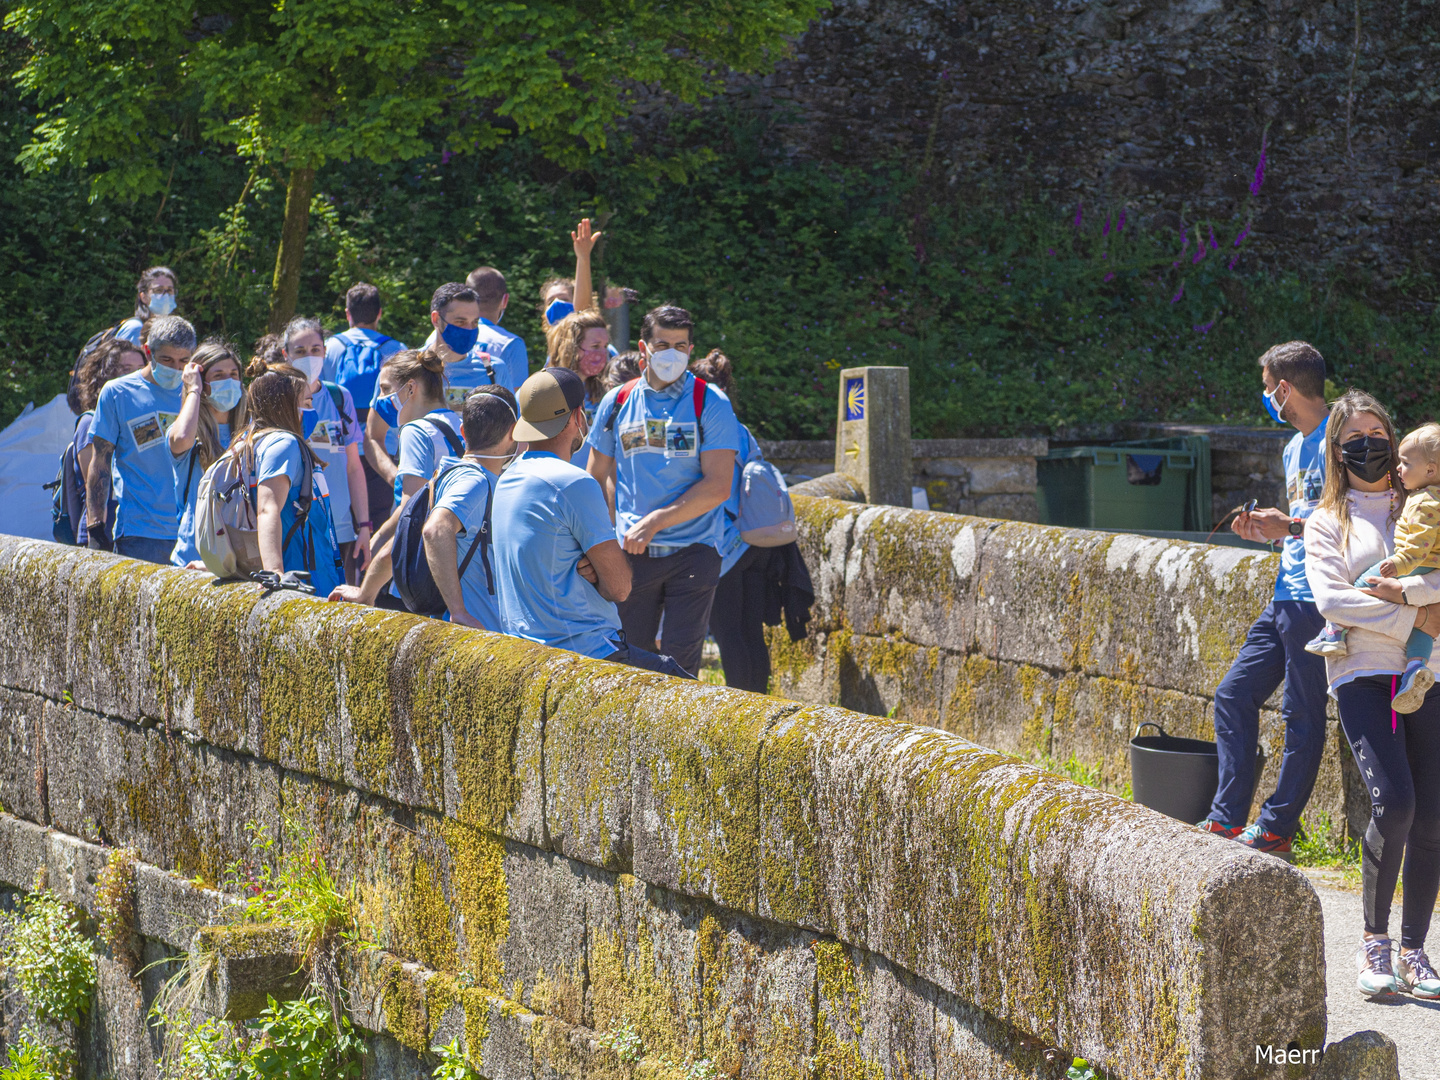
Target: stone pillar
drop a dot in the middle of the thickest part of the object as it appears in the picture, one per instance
(872, 433)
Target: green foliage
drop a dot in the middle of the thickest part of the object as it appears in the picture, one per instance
(1012, 319)
(453, 1065)
(115, 907)
(50, 959)
(1080, 1069)
(30, 1059)
(290, 884)
(293, 1040)
(1321, 845)
(625, 1041)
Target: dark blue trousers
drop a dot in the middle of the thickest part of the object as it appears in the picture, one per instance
(1274, 652)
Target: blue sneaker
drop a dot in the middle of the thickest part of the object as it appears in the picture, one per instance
(1329, 642)
(1257, 839)
(1414, 685)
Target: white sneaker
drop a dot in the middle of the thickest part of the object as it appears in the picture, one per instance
(1416, 974)
(1329, 642)
(1377, 977)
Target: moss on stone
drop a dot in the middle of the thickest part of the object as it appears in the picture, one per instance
(402, 996)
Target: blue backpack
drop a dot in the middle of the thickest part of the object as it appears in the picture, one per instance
(411, 567)
(358, 366)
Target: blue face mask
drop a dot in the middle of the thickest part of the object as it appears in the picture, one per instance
(389, 409)
(225, 393)
(459, 340)
(557, 310)
(1270, 406)
(161, 303)
(167, 378)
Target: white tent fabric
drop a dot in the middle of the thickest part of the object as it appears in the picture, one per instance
(30, 450)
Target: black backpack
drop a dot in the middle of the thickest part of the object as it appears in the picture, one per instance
(457, 448)
(67, 504)
(408, 563)
(72, 392)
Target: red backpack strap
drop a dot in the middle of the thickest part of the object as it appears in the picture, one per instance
(619, 403)
(699, 396)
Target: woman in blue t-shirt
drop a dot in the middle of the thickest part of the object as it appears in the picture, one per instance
(429, 429)
(113, 359)
(212, 406)
(281, 457)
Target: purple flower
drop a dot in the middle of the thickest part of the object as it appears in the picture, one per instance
(1204, 328)
(1079, 212)
(1106, 230)
(1213, 245)
(1233, 260)
(1259, 167)
(1199, 254)
(1050, 251)
(1178, 294)
(1120, 225)
(1110, 276)
(445, 157)
(1242, 234)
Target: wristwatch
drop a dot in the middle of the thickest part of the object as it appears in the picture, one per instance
(1297, 527)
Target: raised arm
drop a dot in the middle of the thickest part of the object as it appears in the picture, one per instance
(181, 434)
(584, 241)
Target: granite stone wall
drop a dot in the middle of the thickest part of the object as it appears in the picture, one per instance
(1159, 105)
(541, 847)
(1051, 644)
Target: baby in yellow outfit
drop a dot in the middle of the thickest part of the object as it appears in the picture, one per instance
(1417, 551)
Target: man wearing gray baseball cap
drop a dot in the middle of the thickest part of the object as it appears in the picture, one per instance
(559, 570)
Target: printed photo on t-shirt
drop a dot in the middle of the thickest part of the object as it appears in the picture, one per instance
(632, 439)
(655, 434)
(455, 397)
(147, 431)
(680, 439)
(320, 435)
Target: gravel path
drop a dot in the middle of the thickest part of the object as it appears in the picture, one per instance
(1414, 1025)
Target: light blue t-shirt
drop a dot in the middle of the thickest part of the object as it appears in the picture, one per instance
(313, 547)
(498, 358)
(186, 501)
(353, 359)
(731, 546)
(653, 442)
(130, 330)
(1304, 480)
(465, 491)
(133, 415)
(422, 447)
(547, 514)
(330, 432)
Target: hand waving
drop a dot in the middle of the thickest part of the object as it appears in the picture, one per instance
(583, 240)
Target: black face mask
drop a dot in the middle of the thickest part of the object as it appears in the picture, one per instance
(1367, 458)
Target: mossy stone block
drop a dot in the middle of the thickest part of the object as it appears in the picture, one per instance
(757, 997)
(546, 903)
(22, 765)
(873, 1019)
(696, 807)
(912, 574)
(589, 716)
(825, 528)
(245, 966)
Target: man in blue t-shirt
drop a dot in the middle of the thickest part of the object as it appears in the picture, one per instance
(458, 531)
(494, 339)
(353, 359)
(558, 569)
(128, 433)
(665, 458)
(1275, 649)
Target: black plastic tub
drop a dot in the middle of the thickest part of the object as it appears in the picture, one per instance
(1176, 776)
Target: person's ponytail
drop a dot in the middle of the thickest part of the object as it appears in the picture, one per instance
(256, 368)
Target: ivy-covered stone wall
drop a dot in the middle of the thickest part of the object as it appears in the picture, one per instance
(1051, 644)
(543, 847)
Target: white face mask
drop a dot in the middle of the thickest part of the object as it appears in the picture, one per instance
(669, 364)
(161, 303)
(309, 366)
(167, 378)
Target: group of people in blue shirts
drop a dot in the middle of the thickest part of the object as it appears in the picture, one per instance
(604, 486)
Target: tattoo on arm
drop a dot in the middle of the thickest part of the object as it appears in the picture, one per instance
(97, 481)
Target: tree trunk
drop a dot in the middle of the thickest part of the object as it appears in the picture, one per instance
(285, 289)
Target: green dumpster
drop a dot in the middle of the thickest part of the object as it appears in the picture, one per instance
(1108, 487)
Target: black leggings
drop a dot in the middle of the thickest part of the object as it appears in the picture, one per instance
(737, 622)
(1401, 771)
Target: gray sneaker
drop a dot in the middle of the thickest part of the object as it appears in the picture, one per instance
(1416, 974)
(1377, 977)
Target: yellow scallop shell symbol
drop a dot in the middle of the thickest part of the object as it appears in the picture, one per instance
(855, 400)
